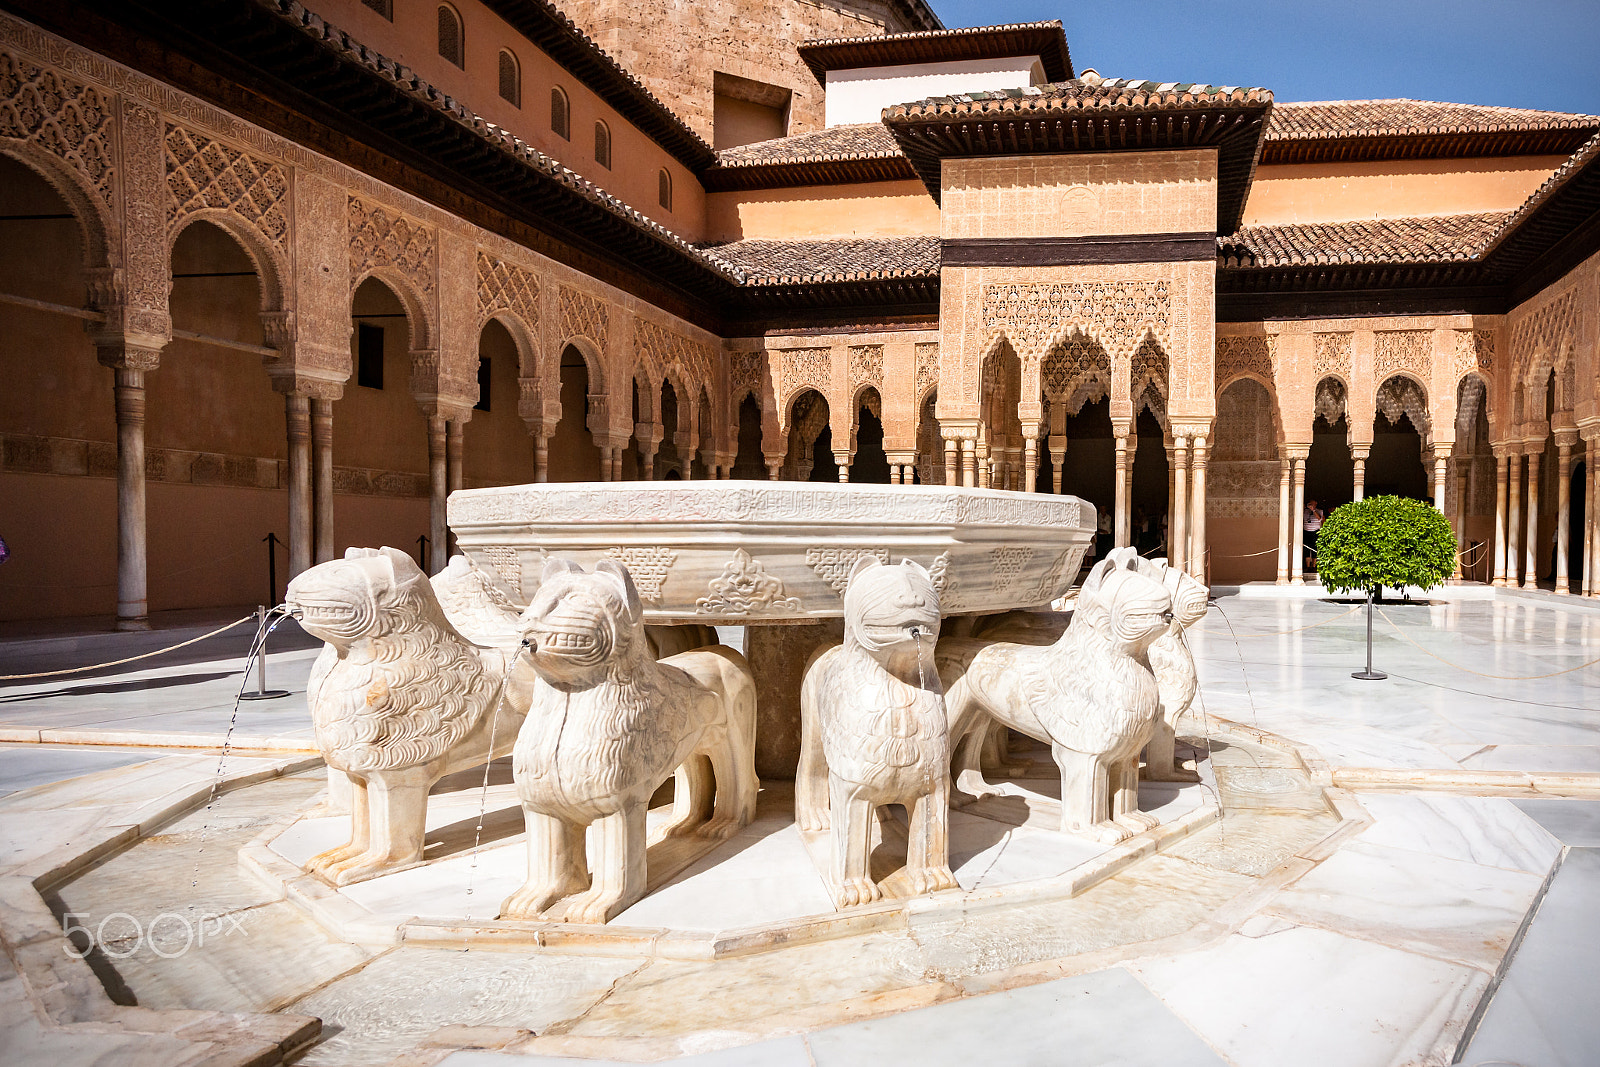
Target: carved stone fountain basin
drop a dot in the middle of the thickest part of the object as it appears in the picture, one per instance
(735, 552)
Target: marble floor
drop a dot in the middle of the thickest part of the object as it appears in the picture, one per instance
(1433, 918)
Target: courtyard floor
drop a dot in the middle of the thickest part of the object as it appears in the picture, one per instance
(1404, 872)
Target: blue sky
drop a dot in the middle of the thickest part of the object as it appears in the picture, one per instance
(1522, 53)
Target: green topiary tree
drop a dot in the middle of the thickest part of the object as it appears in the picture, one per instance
(1384, 541)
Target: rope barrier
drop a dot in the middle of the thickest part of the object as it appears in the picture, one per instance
(1279, 633)
(130, 659)
(1481, 674)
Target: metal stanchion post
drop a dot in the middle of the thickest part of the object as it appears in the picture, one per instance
(262, 692)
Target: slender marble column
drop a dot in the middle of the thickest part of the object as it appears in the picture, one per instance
(438, 488)
(1464, 464)
(1591, 527)
(1441, 464)
(1297, 561)
(1119, 516)
(541, 458)
(133, 608)
(952, 461)
(1030, 464)
(1514, 522)
(1358, 476)
(1180, 504)
(842, 461)
(1285, 479)
(1197, 526)
(455, 440)
(969, 464)
(1563, 513)
(1172, 494)
(297, 410)
(1530, 574)
(1501, 465)
(1058, 457)
(775, 471)
(322, 476)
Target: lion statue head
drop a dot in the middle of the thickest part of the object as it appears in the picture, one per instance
(890, 609)
(1131, 608)
(370, 593)
(583, 625)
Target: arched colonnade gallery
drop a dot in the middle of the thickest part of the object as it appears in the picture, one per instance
(209, 343)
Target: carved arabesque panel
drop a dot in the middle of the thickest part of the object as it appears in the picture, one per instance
(927, 367)
(1331, 355)
(1538, 337)
(1403, 350)
(1119, 313)
(802, 368)
(1078, 367)
(745, 371)
(204, 173)
(66, 118)
(866, 366)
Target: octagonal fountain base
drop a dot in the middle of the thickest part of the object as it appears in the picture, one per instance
(757, 891)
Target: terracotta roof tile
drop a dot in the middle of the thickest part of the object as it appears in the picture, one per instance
(1441, 239)
(867, 141)
(1387, 118)
(835, 260)
(1078, 95)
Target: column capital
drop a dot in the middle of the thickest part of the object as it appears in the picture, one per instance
(123, 355)
(1567, 438)
(291, 382)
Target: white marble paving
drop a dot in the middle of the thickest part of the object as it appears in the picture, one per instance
(1424, 903)
(1489, 831)
(1304, 996)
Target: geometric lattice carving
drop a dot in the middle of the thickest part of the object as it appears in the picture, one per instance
(1331, 355)
(1469, 398)
(381, 239)
(648, 567)
(1148, 382)
(69, 120)
(202, 173)
(506, 287)
(658, 347)
(1257, 354)
(1244, 429)
(1403, 350)
(582, 314)
(1119, 313)
(1541, 333)
(833, 564)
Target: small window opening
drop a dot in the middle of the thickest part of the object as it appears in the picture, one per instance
(451, 45)
(510, 79)
(369, 355)
(664, 189)
(602, 145)
(382, 7)
(560, 114)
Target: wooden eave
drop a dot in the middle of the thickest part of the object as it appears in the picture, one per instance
(842, 170)
(1423, 144)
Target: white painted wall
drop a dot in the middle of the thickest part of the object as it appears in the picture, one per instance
(860, 95)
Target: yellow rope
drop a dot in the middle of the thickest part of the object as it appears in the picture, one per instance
(130, 659)
(1480, 674)
(1280, 633)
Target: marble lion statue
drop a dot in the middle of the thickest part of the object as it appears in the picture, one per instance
(1090, 695)
(400, 697)
(608, 723)
(1173, 665)
(873, 731)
